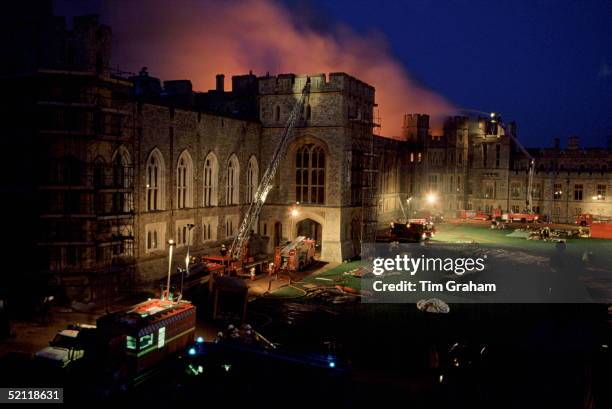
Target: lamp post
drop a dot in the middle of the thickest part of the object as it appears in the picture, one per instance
(294, 214)
(188, 256)
(171, 245)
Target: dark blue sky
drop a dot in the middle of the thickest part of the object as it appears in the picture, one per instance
(545, 64)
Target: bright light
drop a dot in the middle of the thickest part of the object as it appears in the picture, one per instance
(199, 340)
(332, 364)
(294, 212)
(493, 114)
(171, 242)
(192, 351)
(431, 198)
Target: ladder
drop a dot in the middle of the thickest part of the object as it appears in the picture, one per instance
(530, 169)
(242, 237)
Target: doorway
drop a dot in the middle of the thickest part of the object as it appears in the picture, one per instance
(312, 230)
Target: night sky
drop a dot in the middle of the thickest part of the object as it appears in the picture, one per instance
(545, 64)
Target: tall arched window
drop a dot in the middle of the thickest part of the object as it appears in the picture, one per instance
(252, 179)
(310, 174)
(184, 181)
(211, 180)
(277, 113)
(123, 200)
(155, 181)
(233, 180)
(308, 112)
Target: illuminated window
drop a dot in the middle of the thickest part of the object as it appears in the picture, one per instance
(145, 341)
(161, 337)
(310, 174)
(601, 192)
(130, 342)
(557, 192)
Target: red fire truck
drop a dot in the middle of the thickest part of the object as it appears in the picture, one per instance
(295, 256)
(521, 217)
(136, 340)
(472, 215)
(600, 227)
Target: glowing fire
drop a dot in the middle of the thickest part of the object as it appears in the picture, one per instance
(198, 40)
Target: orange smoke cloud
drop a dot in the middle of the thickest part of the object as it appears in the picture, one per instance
(196, 40)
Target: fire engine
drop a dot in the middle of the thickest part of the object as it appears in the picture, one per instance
(296, 255)
(600, 227)
(136, 340)
(520, 217)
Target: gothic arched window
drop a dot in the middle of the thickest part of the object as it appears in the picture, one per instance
(184, 181)
(252, 179)
(155, 181)
(232, 182)
(210, 180)
(310, 174)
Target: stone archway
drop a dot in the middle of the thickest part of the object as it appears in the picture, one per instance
(310, 229)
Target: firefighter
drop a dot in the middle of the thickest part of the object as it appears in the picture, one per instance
(223, 250)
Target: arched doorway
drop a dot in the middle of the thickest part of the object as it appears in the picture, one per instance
(312, 230)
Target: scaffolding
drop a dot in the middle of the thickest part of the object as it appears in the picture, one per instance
(86, 204)
(364, 177)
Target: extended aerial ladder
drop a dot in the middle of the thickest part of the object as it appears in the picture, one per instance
(531, 169)
(241, 240)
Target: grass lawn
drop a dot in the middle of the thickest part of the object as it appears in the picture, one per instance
(600, 249)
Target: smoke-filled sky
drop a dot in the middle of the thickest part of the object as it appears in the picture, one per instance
(545, 63)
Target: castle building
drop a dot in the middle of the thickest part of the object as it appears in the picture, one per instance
(477, 165)
(112, 165)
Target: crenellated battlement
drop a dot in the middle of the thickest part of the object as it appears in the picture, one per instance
(334, 82)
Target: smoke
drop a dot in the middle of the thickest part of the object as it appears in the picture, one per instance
(196, 40)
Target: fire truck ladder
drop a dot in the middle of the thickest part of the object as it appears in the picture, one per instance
(531, 169)
(241, 239)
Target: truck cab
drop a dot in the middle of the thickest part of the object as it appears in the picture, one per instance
(65, 348)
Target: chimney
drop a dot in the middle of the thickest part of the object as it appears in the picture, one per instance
(220, 83)
(573, 142)
(557, 143)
